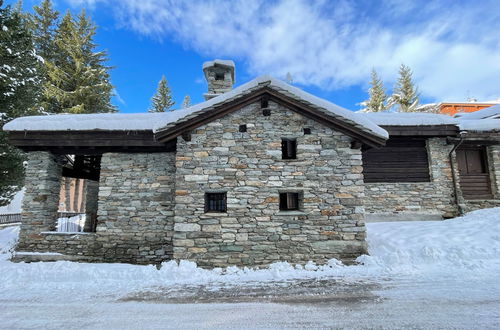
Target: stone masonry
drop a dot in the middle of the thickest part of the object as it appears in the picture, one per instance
(249, 167)
(433, 199)
(135, 211)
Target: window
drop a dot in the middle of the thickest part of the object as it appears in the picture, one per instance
(243, 128)
(266, 112)
(219, 76)
(307, 131)
(215, 202)
(289, 201)
(402, 159)
(264, 103)
(289, 148)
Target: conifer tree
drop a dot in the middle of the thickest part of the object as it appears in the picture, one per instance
(19, 92)
(186, 103)
(162, 99)
(376, 95)
(405, 94)
(77, 79)
(43, 23)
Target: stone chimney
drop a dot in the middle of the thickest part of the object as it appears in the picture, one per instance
(220, 77)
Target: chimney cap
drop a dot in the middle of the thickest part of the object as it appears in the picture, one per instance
(229, 64)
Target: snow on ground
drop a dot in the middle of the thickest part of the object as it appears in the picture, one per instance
(431, 274)
(15, 204)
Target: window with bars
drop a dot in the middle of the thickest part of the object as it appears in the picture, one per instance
(215, 202)
(289, 148)
(289, 201)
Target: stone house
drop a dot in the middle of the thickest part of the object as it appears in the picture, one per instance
(257, 174)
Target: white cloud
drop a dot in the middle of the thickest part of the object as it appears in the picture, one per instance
(453, 49)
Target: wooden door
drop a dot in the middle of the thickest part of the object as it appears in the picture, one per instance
(474, 174)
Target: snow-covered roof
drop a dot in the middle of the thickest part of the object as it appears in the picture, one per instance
(90, 122)
(161, 121)
(408, 118)
(325, 106)
(480, 114)
(208, 64)
(480, 125)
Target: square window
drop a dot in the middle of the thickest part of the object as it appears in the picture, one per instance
(243, 128)
(289, 201)
(266, 112)
(219, 76)
(215, 202)
(289, 148)
(307, 131)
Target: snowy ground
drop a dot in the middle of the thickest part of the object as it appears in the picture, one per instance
(419, 275)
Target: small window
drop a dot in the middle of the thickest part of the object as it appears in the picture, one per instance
(219, 76)
(243, 128)
(264, 103)
(307, 131)
(266, 112)
(289, 148)
(289, 201)
(215, 202)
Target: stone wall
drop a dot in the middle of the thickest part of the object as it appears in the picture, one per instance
(41, 199)
(420, 200)
(249, 167)
(135, 210)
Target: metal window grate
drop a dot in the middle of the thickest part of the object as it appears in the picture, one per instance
(289, 201)
(215, 202)
(289, 148)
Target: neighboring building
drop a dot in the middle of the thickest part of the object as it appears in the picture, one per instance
(453, 108)
(262, 173)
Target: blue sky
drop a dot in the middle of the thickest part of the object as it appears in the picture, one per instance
(329, 47)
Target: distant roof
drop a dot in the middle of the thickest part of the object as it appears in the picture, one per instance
(480, 114)
(409, 118)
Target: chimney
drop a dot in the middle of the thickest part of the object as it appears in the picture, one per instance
(220, 77)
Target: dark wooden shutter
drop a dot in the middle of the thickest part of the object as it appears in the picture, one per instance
(473, 171)
(402, 159)
(289, 148)
(289, 201)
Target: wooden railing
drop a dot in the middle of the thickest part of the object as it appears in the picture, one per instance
(10, 218)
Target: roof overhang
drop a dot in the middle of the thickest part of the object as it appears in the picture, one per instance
(204, 117)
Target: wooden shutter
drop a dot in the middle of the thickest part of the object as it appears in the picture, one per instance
(289, 148)
(402, 159)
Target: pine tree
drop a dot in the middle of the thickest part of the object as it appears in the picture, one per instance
(43, 24)
(376, 94)
(405, 94)
(77, 80)
(162, 99)
(186, 103)
(19, 92)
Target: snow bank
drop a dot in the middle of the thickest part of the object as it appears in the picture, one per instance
(161, 121)
(409, 119)
(466, 247)
(208, 64)
(15, 204)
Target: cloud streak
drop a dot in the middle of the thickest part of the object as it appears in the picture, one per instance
(453, 49)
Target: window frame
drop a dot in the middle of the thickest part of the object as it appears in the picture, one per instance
(288, 148)
(286, 197)
(210, 208)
